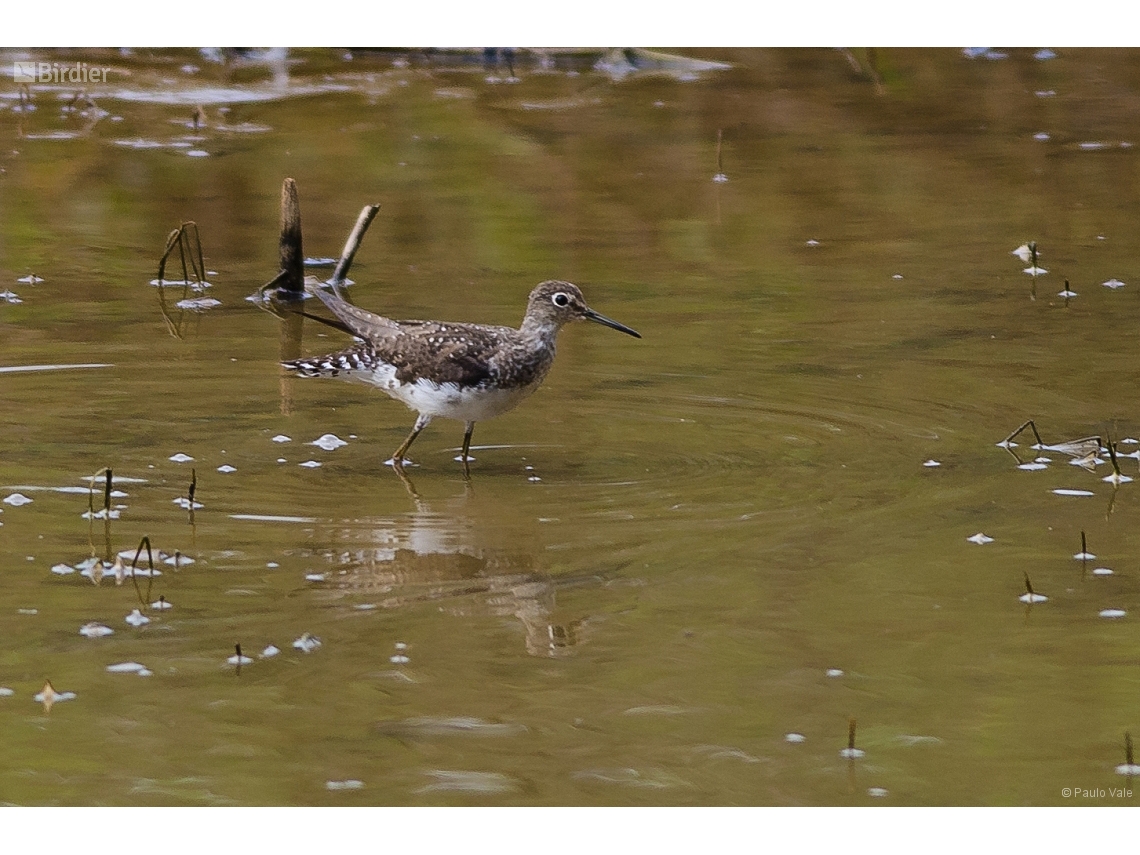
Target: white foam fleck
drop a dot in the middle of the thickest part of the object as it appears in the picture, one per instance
(1113, 613)
(329, 442)
(17, 499)
(180, 458)
(95, 630)
(980, 539)
(307, 643)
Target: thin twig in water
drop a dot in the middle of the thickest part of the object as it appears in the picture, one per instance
(134, 566)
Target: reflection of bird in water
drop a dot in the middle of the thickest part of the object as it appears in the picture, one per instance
(431, 561)
(468, 372)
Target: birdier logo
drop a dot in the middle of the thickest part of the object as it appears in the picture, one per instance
(55, 72)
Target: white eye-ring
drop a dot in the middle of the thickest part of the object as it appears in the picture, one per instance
(561, 300)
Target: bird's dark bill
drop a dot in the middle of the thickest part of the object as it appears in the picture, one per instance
(609, 322)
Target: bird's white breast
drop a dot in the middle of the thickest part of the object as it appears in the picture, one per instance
(449, 400)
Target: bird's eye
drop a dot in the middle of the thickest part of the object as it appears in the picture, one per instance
(561, 300)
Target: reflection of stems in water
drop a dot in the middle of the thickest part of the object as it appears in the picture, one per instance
(179, 238)
(237, 650)
(134, 566)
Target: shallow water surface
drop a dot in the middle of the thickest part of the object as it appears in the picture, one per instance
(753, 522)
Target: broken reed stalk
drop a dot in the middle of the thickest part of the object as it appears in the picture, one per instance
(340, 273)
(719, 159)
(851, 735)
(179, 238)
(134, 565)
(1084, 545)
(1028, 586)
(291, 279)
(193, 486)
(1128, 749)
(237, 649)
(1028, 424)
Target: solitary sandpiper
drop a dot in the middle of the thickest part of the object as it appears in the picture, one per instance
(468, 372)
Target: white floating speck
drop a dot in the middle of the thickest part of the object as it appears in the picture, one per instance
(1023, 252)
(1067, 294)
(282, 438)
(270, 651)
(1129, 769)
(1130, 441)
(281, 460)
(1035, 271)
(161, 605)
(399, 659)
(1044, 54)
(852, 753)
(1113, 613)
(400, 645)
(197, 304)
(186, 504)
(1041, 136)
(1102, 571)
(980, 539)
(794, 738)
(897, 276)
(931, 463)
(225, 467)
(1113, 284)
(310, 464)
(811, 242)
(181, 458)
(17, 499)
(62, 569)
(876, 792)
(137, 618)
(101, 514)
(720, 178)
(307, 643)
(49, 695)
(1084, 556)
(95, 630)
(344, 785)
(314, 577)
(10, 297)
(197, 152)
(1116, 478)
(178, 560)
(834, 672)
(239, 660)
(1033, 598)
(329, 442)
(1063, 492)
(126, 668)
(1092, 146)
(1034, 466)
(5, 692)
(30, 279)
(271, 564)
(27, 611)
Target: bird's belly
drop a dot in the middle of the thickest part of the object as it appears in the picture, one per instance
(451, 401)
